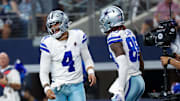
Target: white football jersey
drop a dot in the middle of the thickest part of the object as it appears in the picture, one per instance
(65, 56)
(130, 47)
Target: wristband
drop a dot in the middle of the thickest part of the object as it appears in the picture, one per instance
(46, 89)
(91, 71)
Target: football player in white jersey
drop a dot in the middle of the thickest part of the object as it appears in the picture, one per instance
(61, 54)
(124, 50)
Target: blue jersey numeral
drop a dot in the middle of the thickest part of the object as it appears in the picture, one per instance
(68, 61)
(133, 49)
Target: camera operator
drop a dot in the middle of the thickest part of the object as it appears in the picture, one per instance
(169, 60)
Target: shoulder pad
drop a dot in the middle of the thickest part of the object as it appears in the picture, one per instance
(129, 32)
(82, 35)
(45, 37)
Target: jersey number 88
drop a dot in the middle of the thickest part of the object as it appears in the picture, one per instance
(133, 49)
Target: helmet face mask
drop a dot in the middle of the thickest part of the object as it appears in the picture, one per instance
(54, 27)
(57, 23)
(111, 17)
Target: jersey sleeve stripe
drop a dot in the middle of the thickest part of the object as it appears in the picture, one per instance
(44, 38)
(42, 44)
(44, 49)
(84, 40)
(114, 41)
(114, 38)
(84, 36)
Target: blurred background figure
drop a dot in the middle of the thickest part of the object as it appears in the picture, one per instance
(162, 13)
(165, 60)
(73, 5)
(8, 8)
(22, 70)
(10, 81)
(26, 11)
(175, 87)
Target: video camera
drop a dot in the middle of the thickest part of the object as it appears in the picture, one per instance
(163, 35)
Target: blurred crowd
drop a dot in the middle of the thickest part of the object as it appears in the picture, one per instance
(15, 16)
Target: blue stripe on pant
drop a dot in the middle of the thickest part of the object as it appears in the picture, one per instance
(70, 92)
(135, 89)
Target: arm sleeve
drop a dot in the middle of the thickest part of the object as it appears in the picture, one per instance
(86, 56)
(85, 52)
(122, 62)
(44, 68)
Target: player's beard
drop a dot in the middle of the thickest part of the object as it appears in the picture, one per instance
(64, 36)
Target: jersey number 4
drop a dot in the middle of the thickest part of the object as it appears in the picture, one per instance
(68, 61)
(133, 49)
